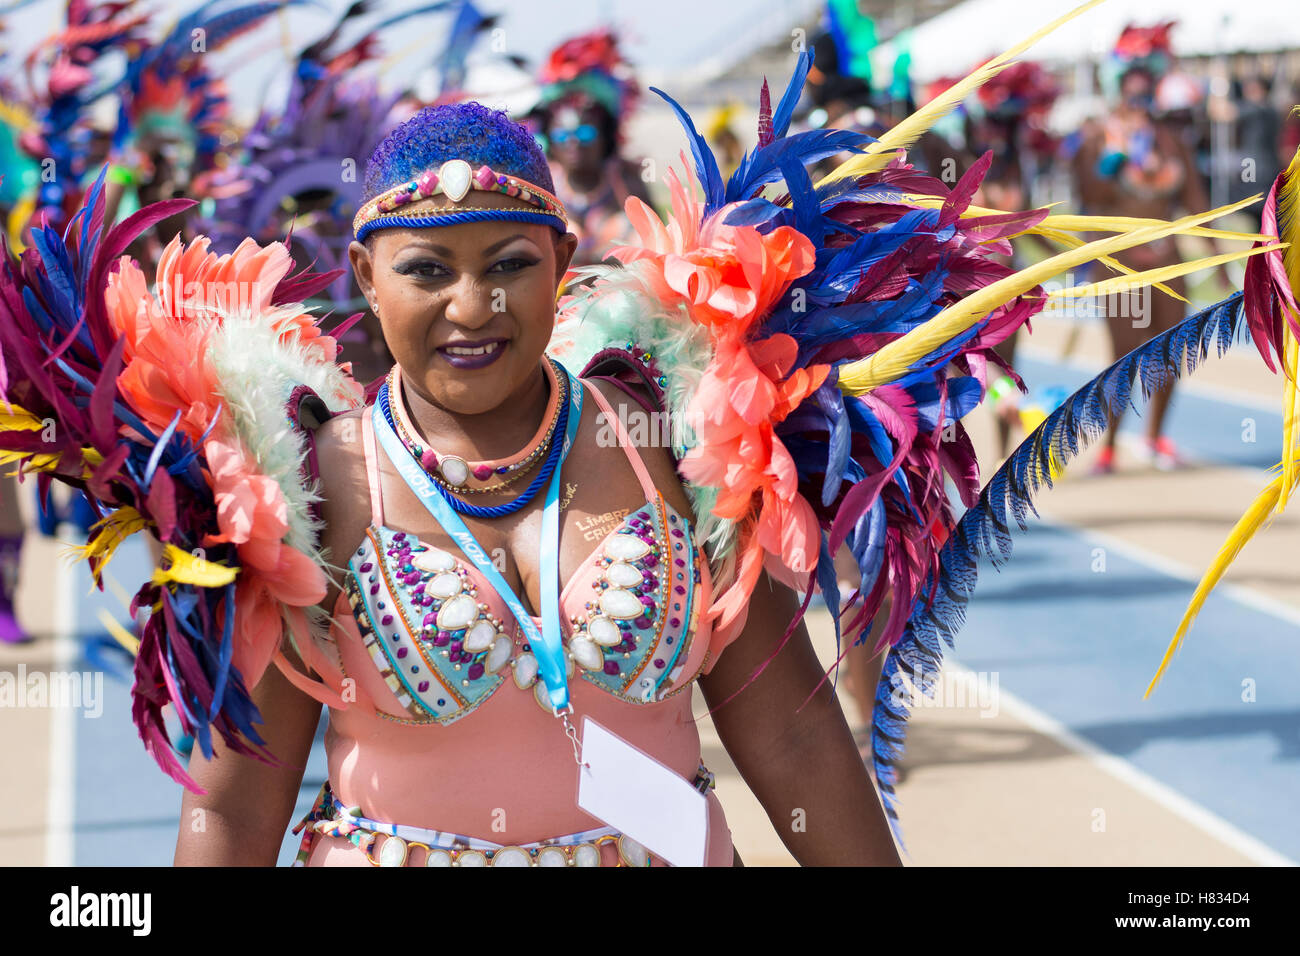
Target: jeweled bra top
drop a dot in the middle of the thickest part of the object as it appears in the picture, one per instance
(444, 641)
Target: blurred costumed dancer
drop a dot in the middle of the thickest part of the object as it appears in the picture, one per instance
(49, 118)
(815, 346)
(298, 173)
(587, 95)
(1132, 164)
(174, 134)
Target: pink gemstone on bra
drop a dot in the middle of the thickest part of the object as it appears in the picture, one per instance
(441, 639)
(679, 562)
(430, 618)
(659, 662)
(647, 600)
(611, 668)
(386, 620)
(649, 560)
(643, 622)
(401, 652)
(483, 472)
(424, 685)
(365, 568)
(475, 671)
(675, 622)
(413, 577)
(679, 589)
(374, 589)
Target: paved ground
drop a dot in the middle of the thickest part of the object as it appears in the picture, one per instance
(1042, 750)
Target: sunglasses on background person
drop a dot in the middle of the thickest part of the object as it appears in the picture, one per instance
(585, 133)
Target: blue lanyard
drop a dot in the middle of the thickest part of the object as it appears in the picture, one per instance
(546, 645)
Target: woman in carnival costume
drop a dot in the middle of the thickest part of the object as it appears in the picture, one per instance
(587, 94)
(815, 346)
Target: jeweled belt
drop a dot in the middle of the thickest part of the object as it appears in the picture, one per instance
(390, 844)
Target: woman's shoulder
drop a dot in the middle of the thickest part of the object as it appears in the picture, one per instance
(648, 431)
(343, 483)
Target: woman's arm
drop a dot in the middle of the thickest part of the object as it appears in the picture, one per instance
(801, 764)
(242, 819)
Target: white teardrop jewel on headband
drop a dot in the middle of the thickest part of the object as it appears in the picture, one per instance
(455, 176)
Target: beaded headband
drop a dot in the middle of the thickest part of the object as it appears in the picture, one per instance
(454, 179)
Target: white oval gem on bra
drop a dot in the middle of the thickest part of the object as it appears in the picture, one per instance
(525, 671)
(435, 560)
(499, 656)
(621, 605)
(480, 637)
(445, 585)
(584, 854)
(586, 652)
(622, 575)
(457, 613)
(626, 547)
(604, 632)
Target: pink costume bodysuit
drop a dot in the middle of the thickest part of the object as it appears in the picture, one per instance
(457, 740)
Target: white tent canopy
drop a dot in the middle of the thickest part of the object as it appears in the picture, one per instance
(957, 40)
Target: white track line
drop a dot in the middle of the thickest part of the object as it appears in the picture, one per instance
(60, 794)
(1177, 804)
(1175, 569)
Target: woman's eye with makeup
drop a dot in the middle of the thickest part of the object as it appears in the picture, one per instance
(422, 269)
(513, 264)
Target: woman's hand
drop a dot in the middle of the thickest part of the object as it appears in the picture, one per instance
(801, 763)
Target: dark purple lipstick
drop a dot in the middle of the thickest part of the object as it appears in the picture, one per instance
(472, 355)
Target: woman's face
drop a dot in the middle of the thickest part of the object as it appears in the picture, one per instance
(466, 310)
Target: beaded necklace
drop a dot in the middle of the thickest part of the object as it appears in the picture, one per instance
(494, 511)
(459, 476)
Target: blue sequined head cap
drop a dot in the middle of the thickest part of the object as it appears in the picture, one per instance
(453, 150)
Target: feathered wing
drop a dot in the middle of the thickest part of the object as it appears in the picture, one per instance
(176, 410)
(816, 347)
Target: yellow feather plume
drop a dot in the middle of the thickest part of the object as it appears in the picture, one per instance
(107, 534)
(185, 568)
(120, 634)
(1151, 276)
(1260, 511)
(895, 359)
(1288, 220)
